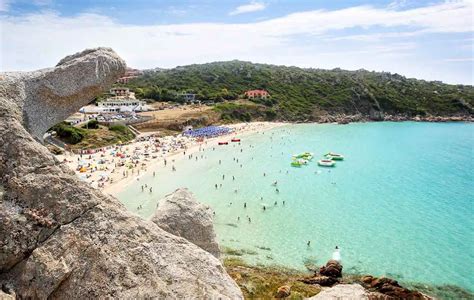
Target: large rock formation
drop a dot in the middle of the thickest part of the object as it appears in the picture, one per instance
(60, 238)
(181, 214)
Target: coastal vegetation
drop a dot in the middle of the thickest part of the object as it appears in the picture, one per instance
(299, 94)
(92, 135)
(262, 282)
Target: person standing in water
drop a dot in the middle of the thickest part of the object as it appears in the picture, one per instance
(336, 255)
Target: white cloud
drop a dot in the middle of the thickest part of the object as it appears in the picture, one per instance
(459, 59)
(4, 5)
(42, 2)
(397, 4)
(40, 40)
(248, 8)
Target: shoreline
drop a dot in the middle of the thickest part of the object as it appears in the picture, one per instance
(106, 171)
(116, 183)
(269, 275)
(380, 117)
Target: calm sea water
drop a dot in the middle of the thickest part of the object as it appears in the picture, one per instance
(400, 204)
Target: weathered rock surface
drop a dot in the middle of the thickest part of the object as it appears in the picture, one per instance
(343, 291)
(60, 238)
(5, 296)
(386, 288)
(332, 269)
(327, 275)
(182, 215)
(283, 291)
(320, 280)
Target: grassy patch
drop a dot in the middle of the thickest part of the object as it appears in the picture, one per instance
(258, 282)
(93, 138)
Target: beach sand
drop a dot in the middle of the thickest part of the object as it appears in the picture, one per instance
(107, 171)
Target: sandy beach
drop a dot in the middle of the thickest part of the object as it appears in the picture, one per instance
(113, 168)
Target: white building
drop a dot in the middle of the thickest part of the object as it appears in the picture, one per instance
(122, 101)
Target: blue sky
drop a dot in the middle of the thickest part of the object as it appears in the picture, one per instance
(430, 40)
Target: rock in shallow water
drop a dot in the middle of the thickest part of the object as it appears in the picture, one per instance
(332, 269)
(60, 238)
(181, 214)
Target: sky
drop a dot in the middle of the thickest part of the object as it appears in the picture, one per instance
(431, 40)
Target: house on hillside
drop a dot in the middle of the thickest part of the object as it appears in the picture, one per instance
(129, 74)
(187, 97)
(257, 94)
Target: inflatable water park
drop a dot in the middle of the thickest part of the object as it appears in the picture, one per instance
(329, 160)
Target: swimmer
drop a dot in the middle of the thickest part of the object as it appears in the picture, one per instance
(308, 243)
(245, 204)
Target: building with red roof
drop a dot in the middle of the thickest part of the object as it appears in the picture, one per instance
(257, 94)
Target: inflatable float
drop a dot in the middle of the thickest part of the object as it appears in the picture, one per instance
(326, 163)
(334, 156)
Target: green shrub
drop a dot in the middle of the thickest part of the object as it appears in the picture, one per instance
(92, 124)
(68, 133)
(119, 127)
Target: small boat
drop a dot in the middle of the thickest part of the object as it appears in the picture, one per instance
(334, 156)
(326, 163)
(223, 143)
(235, 140)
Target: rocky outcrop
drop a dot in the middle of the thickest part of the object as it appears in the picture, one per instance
(60, 238)
(332, 269)
(386, 288)
(283, 291)
(5, 296)
(181, 214)
(342, 291)
(328, 275)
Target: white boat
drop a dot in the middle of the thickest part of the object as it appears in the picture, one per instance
(326, 163)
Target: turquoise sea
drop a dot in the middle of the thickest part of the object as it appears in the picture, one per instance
(400, 204)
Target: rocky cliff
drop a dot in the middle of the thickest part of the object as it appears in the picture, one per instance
(60, 238)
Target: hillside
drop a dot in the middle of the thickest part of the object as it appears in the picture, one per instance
(307, 94)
